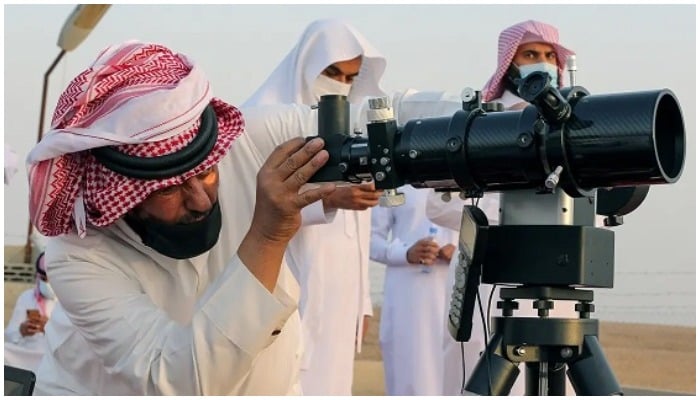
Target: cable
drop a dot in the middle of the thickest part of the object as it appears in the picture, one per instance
(488, 309)
(486, 340)
(464, 369)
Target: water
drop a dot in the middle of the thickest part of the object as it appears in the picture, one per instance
(664, 297)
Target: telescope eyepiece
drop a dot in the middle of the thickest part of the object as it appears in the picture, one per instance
(537, 90)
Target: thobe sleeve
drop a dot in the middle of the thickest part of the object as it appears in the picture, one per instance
(314, 214)
(412, 104)
(381, 249)
(407, 105)
(19, 314)
(490, 204)
(272, 125)
(367, 308)
(449, 214)
(446, 214)
(234, 320)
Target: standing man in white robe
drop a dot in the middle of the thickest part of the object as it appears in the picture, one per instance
(166, 252)
(416, 253)
(522, 48)
(25, 341)
(330, 261)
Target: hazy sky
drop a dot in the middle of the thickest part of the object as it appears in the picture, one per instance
(447, 47)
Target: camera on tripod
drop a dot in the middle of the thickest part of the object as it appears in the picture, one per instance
(557, 162)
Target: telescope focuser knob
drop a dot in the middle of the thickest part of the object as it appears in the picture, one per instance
(379, 103)
(380, 110)
(392, 198)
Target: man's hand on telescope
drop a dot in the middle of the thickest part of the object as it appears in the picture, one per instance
(424, 252)
(355, 197)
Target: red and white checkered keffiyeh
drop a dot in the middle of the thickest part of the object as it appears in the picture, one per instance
(145, 100)
(508, 42)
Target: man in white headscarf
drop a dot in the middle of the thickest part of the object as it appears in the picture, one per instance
(166, 251)
(523, 48)
(25, 341)
(331, 260)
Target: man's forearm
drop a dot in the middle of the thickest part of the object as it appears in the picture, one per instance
(262, 257)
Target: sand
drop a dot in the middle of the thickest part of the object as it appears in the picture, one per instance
(655, 357)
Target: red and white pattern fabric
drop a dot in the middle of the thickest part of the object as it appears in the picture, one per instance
(508, 42)
(140, 97)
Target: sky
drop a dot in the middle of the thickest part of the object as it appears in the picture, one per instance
(619, 48)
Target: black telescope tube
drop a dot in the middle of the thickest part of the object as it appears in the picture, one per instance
(625, 139)
(614, 140)
(333, 115)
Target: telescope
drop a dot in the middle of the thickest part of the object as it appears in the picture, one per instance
(599, 141)
(564, 158)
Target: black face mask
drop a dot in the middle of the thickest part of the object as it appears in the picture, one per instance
(180, 241)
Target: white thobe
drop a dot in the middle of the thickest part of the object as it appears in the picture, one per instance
(413, 307)
(134, 322)
(330, 261)
(25, 352)
(335, 288)
(337, 297)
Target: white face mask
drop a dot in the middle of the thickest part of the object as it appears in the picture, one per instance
(46, 290)
(552, 70)
(326, 85)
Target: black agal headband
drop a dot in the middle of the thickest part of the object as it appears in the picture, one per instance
(168, 165)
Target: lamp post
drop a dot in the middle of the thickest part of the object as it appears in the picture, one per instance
(76, 28)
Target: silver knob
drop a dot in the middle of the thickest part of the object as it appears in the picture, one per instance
(392, 198)
(379, 103)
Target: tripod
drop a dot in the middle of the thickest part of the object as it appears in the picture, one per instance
(547, 346)
(562, 254)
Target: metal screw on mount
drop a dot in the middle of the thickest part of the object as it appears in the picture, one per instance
(566, 352)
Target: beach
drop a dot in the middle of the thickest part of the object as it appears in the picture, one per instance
(644, 356)
(657, 357)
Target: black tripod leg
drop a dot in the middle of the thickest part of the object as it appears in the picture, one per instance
(494, 374)
(555, 379)
(590, 374)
